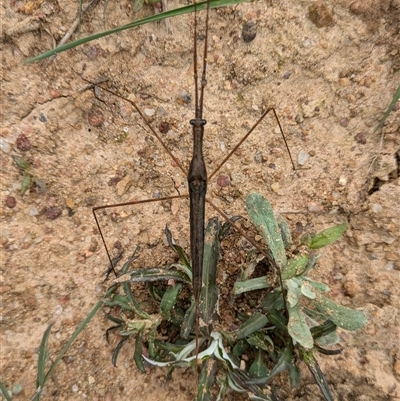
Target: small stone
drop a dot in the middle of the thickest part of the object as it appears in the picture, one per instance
(53, 212)
(123, 185)
(69, 203)
(302, 157)
(4, 145)
(350, 288)
(17, 388)
(376, 208)
(342, 180)
(74, 388)
(223, 180)
(184, 97)
(22, 143)
(360, 138)
(95, 118)
(58, 310)
(287, 74)
(149, 112)
(42, 118)
(315, 207)
(91, 380)
(343, 122)
(33, 211)
(11, 202)
(275, 187)
(249, 31)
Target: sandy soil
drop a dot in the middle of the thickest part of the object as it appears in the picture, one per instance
(330, 74)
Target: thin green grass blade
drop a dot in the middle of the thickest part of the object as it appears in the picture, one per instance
(396, 97)
(152, 274)
(42, 360)
(154, 18)
(118, 349)
(79, 329)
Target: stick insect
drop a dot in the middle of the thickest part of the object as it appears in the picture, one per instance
(197, 179)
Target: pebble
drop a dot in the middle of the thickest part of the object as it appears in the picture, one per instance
(91, 380)
(22, 143)
(17, 388)
(33, 211)
(376, 208)
(123, 185)
(223, 180)
(275, 187)
(184, 97)
(360, 138)
(342, 180)
(389, 266)
(95, 118)
(53, 212)
(4, 145)
(11, 202)
(149, 112)
(249, 31)
(75, 388)
(58, 310)
(315, 207)
(42, 118)
(302, 157)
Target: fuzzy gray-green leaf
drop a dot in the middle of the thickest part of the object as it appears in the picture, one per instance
(298, 329)
(325, 237)
(262, 216)
(295, 267)
(346, 318)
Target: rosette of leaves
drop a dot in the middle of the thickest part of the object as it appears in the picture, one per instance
(220, 368)
(300, 319)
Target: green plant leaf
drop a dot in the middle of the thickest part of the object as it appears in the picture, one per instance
(395, 98)
(254, 323)
(154, 18)
(189, 321)
(262, 216)
(117, 349)
(315, 370)
(258, 367)
(294, 374)
(152, 274)
(278, 320)
(206, 379)
(253, 284)
(42, 359)
(169, 300)
(295, 267)
(25, 183)
(137, 355)
(293, 291)
(261, 341)
(272, 300)
(4, 392)
(325, 237)
(346, 318)
(21, 163)
(179, 250)
(285, 232)
(298, 329)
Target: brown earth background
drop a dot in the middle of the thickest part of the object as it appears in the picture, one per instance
(330, 73)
